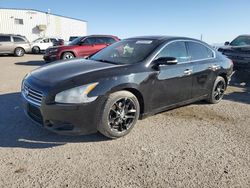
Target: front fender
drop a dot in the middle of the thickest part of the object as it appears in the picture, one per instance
(125, 82)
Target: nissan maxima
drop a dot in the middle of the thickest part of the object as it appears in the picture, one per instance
(127, 81)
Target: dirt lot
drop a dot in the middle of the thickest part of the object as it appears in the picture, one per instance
(198, 145)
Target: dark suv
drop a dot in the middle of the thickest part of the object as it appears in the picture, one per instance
(14, 44)
(80, 47)
(238, 51)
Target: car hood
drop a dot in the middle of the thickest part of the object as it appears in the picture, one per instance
(64, 70)
(63, 47)
(237, 48)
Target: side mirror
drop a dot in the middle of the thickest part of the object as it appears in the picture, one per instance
(165, 61)
(226, 43)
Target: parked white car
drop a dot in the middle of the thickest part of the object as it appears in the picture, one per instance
(41, 44)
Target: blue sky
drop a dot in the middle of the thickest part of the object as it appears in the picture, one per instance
(217, 20)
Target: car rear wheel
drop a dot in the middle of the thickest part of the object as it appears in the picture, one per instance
(218, 90)
(36, 50)
(120, 114)
(19, 52)
(68, 55)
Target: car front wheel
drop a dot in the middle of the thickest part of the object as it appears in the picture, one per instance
(68, 55)
(218, 90)
(120, 114)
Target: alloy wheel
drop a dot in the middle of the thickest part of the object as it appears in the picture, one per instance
(68, 56)
(122, 115)
(19, 52)
(219, 90)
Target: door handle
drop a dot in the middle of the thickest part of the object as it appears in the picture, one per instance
(214, 67)
(188, 72)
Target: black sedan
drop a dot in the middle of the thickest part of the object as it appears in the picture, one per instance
(130, 79)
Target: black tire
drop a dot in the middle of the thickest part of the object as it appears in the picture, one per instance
(217, 91)
(36, 50)
(117, 119)
(68, 55)
(19, 52)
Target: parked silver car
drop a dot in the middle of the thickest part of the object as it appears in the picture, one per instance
(14, 44)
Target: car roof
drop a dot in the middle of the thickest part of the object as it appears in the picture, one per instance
(15, 35)
(245, 35)
(161, 38)
(100, 36)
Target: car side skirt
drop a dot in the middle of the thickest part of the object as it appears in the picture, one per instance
(165, 108)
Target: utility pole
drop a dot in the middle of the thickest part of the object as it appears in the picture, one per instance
(201, 37)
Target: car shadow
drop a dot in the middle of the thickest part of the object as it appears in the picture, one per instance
(17, 131)
(7, 55)
(240, 87)
(31, 63)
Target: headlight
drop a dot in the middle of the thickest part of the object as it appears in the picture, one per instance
(26, 76)
(76, 95)
(53, 50)
(24, 80)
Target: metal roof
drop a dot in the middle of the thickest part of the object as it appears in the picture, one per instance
(27, 9)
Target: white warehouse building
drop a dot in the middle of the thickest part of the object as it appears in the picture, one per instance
(34, 24)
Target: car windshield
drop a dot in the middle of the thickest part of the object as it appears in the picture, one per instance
(76, 41)
(127, 51)
(241, 41)
(37, 40)
(72, 38)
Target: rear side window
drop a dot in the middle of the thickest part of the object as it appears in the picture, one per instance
(18, 39)
(198, 51)
(45, 41)
(177, 50)
(108, 40)
(100, 40)
(4, 38)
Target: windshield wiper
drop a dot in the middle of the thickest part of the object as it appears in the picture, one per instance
(104, 61)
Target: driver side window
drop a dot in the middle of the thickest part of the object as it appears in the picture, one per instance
(89, 41)
(177, 50)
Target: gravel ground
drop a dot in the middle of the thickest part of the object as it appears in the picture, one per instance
(199, 145)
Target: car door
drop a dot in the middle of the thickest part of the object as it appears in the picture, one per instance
(204, 67)
(87, 47)
(100, 43)
(173, 83)
(6, 45)
(45, 43)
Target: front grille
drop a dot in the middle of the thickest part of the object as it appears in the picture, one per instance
(32, 95)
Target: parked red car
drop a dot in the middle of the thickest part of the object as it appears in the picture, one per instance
(80, 47)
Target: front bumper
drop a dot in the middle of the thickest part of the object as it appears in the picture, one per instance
(65, 119)
(241, 61)
(241, 64)
(50, 57)
(27, 49)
